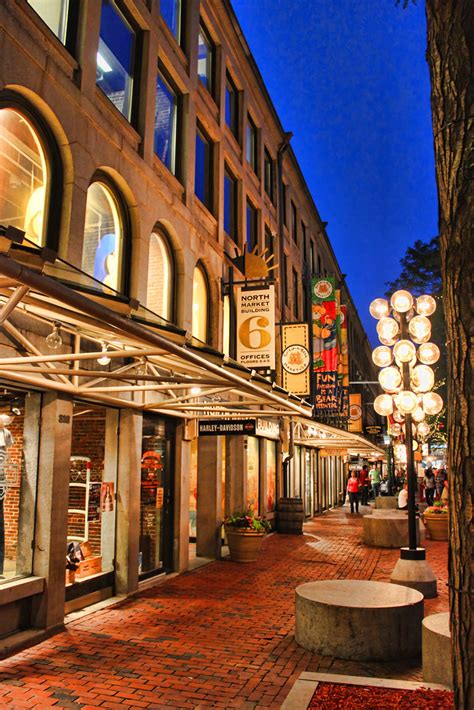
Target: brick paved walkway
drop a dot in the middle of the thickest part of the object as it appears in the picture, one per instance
(221, 636)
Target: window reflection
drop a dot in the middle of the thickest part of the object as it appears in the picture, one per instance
(115, 58)
(160, 277)
(171, 13)
(103, 238)
(200, 305)
(166, 108)
(205, 52)
(23, 176)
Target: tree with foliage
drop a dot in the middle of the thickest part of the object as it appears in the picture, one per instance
(450, 57)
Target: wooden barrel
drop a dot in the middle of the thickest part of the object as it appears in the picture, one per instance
(290, 516)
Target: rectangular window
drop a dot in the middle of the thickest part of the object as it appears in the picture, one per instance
(230, 204)
(269, 244)
(171, 13)
(205, 59)
(284, 198)
(203, 169)
(232, 106)
(166, 121)
(296, 299)
(268, 177)
(251, 143)
(252, 226)
(303, 239)
(294, 223)
(57, 15)
(116, 58)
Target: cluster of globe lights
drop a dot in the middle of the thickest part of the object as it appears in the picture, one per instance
(395, 351)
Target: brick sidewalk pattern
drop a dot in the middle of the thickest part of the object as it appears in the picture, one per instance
(221, 636)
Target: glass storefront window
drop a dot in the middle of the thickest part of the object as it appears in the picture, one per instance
(19, 442)
(193, 490)
(200, 305)
(270, 447)
(92, 488)
(154, 491)
(115, 58)
(253, 467)
(54, 13)
(23, 176)
(103, 237)
(160, 277)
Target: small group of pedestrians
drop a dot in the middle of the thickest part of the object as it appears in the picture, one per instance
(359, 484)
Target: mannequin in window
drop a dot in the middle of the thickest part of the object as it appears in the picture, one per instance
(6, 440)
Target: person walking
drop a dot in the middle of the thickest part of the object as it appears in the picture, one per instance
(353, 491)
(440, 477)
(364, 485)
(429, 482)
(374, 475)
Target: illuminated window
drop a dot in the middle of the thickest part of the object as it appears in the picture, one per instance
(116, 58)
(200, 305)
(160, 277)
(24, 177)
(102, 251)
(60, 16)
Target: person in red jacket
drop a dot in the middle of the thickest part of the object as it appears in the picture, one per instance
(353, 491)
(364, 485)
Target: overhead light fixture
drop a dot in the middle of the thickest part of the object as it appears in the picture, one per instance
(103, 64)
(54, 340)
(140, 367)
(104, 358)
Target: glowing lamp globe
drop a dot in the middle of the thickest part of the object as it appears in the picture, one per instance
(422, 378)
(428, 353)
(404, 351)
(390, 378)
(379, 308)
(387, 328)
(425, 305)
(387, 341)
(406, 401)
(395, 429)
(420, 328)
(414, 444)
(398, 416)
(432, 403)
(418, 414)
(402, 301)
(382, 356)
(423, 429)
(383, 405)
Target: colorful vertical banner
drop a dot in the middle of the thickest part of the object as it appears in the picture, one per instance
(256, 327)
(327, 399)
(295, 358)
(324, 321)
(355, 413)
(343, 364)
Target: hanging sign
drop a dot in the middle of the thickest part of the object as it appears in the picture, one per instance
(327, 398)
(226, 427)
(324, 318)
(355, 413)
(295, 358)
(256, 327)
(373, 429)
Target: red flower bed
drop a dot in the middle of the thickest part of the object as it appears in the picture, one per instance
(336, 696)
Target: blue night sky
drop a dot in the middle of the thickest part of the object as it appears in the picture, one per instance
(349, 79)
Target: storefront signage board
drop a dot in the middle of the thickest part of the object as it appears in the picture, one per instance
(295, 358)
(327, 400)
(268, 428)
(373, 429)
(256, 327)
(355, 413)
(227, 427)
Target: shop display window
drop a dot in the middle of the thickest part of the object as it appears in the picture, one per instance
(253, 467)
(23, 176)
(193, 491)
(91, 506)
(200, 305)
(160, 277)
(270, 447)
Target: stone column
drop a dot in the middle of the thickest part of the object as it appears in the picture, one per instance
(209, 497)
(128, 501)
(181, 501)
(236, 474)
(49, 560)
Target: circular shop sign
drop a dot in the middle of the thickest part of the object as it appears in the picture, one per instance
(323, 289)
(355, 412)
(295, 359)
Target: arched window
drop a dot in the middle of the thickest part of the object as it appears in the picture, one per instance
(160, 277)
(200, 304)
(24, 176)
(102, 251)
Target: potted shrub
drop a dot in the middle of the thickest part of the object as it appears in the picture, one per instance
(245, 532)
(436, 519)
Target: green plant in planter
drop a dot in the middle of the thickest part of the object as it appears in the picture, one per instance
(247, 521)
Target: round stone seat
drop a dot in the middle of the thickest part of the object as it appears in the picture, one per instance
(386, 502)
(436, 650)
(388, 529)
(359, 620)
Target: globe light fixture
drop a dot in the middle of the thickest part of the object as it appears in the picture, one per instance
(423, 429)
(395, 429)
(390, 378)
(104, 358)
(425, 305)
(398, 416)
(383, 405)
(432, 403)
(387, 328)
(422, 378)
(404, 351)
(379, 308)
(428, 353)
(388, 341)
(382, 356)
(420, 328)
(418, 414)
(54, 340)
(406, 401)
(401, 301)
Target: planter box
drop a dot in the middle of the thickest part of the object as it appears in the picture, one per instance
(89, 566)
(244, 545)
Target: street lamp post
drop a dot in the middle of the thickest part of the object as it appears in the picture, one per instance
(407, 378)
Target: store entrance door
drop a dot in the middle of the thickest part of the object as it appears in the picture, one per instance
(156, 500)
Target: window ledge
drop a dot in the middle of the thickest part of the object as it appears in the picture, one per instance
(204, 211)
(20, 588)
(121, 124)
(166, 175)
